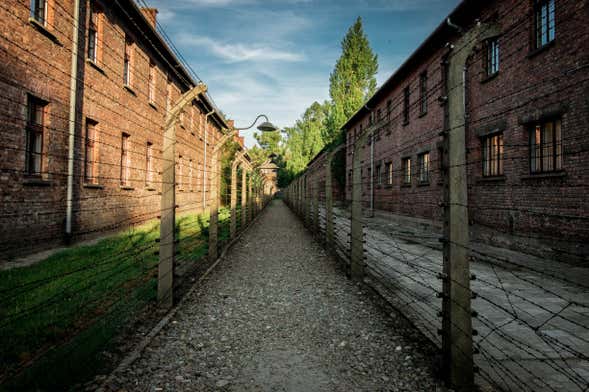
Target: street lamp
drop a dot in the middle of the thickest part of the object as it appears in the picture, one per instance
(266, 126)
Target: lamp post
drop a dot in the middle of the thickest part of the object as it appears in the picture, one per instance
(266, 126)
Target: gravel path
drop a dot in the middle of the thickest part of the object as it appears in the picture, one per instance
(278, 315)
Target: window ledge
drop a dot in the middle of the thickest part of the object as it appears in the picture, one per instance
(126, 188)
(93, 186)
(488, 78)
(491, 179)
(153, 105)
(43, 30)
(539, 176)
(35, 181)
(95, 66)
(129, 89)
(423, 183)
(150, 188)
(541, 49)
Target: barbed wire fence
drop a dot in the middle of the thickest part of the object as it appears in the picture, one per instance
(152, 223)
(502, 319)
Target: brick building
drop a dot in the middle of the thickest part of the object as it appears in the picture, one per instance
(527, 110)
(127, 78)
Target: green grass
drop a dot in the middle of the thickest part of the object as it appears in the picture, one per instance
(60, 313)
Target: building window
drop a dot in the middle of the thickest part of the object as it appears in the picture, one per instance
(493, 155)
(39, 11)
(389, 173)
(423, 93)
(406, 168)
(91, 153)
(378, 175)
(180, 181)
(423, 167)
(190, 175)
(125, 160)
(152, 81)
(406, 95)
(546, 147)
(149, 164)
(544, 22)
(35, 130)
(127, 72)
(492, 56)
(93, 21)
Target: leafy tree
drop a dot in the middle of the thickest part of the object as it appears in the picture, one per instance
(352, 81)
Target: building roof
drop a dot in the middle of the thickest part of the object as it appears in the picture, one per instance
(131, 11)
(461, 15)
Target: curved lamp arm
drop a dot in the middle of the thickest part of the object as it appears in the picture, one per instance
(254, 123)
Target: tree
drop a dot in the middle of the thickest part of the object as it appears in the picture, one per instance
(352, 81)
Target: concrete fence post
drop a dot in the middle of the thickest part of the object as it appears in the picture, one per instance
(214, 208)
(357, 221)
(457, 343)
(167, 248)
(243, 198)
(233, 205)
(329, 233)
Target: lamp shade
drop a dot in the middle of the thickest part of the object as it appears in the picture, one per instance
(267, 126)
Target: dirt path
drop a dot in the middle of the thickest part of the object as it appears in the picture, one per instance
(278, 315)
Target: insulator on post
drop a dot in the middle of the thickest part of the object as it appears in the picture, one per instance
(440, 331)
(157, 240)
(440, 313)
(474, 314)
(473, 277)
(441, 276)
(443, 240)
(440, 295)
(473, 295)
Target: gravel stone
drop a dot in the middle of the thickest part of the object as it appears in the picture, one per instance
(279, 314)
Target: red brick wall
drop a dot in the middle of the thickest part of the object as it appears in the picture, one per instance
(33, 60)
(552, 209)
(38, 62)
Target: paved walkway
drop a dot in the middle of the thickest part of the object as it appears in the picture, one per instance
(278, 315)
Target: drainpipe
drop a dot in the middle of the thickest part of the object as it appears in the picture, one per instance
(72, 122)
(204, 166)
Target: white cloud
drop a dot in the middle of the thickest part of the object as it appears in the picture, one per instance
(234, 53)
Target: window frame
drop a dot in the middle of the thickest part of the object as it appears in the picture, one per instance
(538, 34)
(537, 150)
(93, 31)
(34, 11)
(492, 56)
(91, 151)
(423, 167)
(148, 164)
(423, 93)
(378, 174)
(492, 155)
(128, 62)
(125, 160)
(35, 135)
(389, 173)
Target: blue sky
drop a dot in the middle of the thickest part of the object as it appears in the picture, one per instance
(275, 56)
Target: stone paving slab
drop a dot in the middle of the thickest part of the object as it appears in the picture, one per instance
(278, 314)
